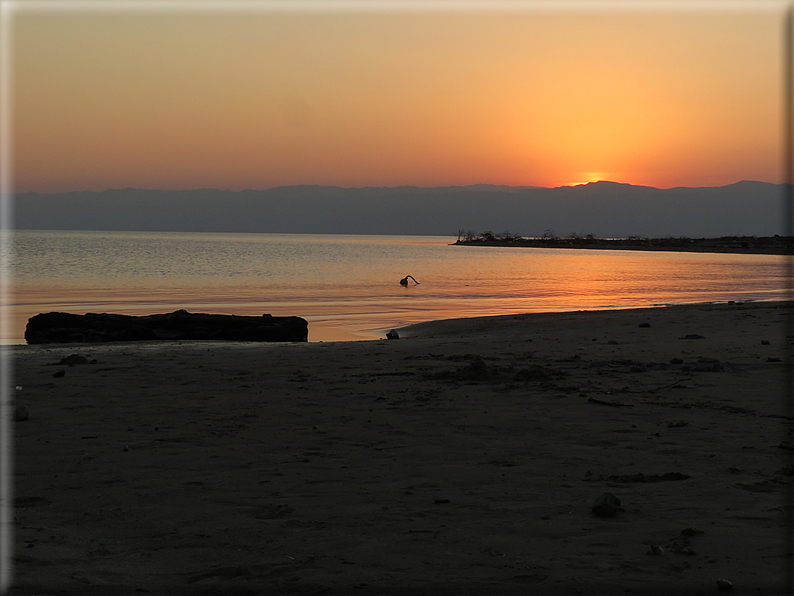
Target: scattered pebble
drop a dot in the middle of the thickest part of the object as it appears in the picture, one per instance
(21, 412)
(476, 370)
(73, 359)
(606, 505)
(392, 335)
(707, 365)
(534, 372)
(724, 584)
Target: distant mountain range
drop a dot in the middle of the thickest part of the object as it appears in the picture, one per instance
(604, 209)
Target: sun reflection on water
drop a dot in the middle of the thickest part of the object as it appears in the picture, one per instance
(347, 286)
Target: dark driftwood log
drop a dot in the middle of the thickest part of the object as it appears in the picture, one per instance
(58, 327)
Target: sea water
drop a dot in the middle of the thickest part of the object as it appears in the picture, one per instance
(347, 286)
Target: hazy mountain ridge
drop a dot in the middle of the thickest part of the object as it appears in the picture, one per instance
(605, 209)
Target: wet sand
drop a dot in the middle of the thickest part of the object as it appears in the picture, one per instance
(463, 457)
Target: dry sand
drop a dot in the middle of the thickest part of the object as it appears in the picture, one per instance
(462, 458)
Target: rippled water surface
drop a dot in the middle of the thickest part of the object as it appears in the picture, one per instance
(347, 287)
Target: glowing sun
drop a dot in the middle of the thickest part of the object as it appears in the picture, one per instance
(587, 178)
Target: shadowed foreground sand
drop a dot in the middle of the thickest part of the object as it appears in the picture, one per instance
(462, 458)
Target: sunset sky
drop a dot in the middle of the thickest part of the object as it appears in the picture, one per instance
(187, 95)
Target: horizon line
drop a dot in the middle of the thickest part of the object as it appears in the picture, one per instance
(475, 184)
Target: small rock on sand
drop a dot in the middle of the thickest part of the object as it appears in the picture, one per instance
(724, 584)
(606, 505)
(476, 370)
(21, 412)
(73, 359)
(534, 372)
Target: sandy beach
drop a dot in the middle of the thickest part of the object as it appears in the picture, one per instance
(464, 457)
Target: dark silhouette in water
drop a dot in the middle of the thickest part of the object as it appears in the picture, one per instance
(404, 280)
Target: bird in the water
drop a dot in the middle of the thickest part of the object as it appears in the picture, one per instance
(404, 280)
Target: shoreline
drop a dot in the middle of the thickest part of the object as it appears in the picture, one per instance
(769, 245)
(374, 334)
(462, 458)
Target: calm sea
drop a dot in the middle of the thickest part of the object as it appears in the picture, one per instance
(347, 287)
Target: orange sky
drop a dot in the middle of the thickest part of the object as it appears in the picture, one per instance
(260, 98)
